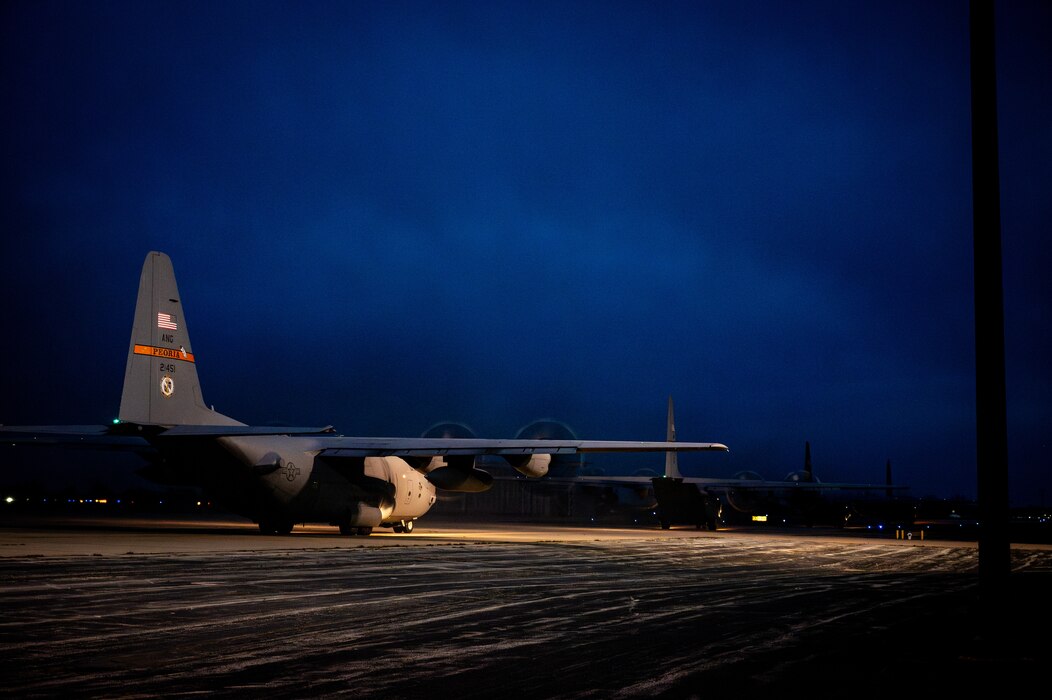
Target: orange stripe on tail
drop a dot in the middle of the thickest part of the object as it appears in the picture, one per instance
(170, 353)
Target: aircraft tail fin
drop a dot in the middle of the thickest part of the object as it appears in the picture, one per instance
(671, 458)
(160, 379)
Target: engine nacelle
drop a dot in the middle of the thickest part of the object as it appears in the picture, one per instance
(746, 500)
(458, 473)
(533, 466)
(451, 478)
(803, 476)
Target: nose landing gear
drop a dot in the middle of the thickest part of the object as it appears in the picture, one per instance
(405, 526)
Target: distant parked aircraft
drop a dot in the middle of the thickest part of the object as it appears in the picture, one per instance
(701, 501)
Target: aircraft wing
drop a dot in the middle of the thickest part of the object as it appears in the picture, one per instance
(21, 432)
(121, 432)
(332, 445)
(713, 483)
(86, 436)
(339, 446)
(241, 430)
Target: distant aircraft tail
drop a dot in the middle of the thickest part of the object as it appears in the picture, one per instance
(160, 379)
(671, 458)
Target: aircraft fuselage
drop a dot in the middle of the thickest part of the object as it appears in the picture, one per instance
(282, 480)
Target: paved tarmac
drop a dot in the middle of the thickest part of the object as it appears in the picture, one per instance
(178, 607)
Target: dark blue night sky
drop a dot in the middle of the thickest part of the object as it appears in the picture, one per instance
(383, 215)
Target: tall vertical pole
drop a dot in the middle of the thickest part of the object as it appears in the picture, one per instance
(990, 402)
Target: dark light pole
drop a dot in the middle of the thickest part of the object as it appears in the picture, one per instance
(990, 401)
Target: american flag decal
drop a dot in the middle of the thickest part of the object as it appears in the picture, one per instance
(166, 321)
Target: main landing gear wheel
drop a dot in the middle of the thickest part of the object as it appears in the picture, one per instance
(348, 529)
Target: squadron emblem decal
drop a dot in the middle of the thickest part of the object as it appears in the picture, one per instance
(167, 385)
(291, 471)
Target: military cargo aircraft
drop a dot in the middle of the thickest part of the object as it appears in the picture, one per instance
(280, 476)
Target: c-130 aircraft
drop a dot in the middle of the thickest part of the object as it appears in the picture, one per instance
(280, 476)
